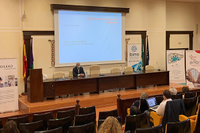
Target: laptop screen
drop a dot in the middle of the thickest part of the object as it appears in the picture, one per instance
(151, 102)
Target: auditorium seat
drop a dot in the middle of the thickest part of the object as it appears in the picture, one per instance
(85, 119)
(157, 129)
(105, 114)
(194, 121)
(18, 120)
(189, 94)
(178, 127)
(149, 68)
(177, 96)
(136, 121)
(1, 130)
(115, 70)
(58, 75)
(31, 127)
(198, 93)
(87, 110)
(159, 99)
(71, 73)
(56, 130)
(190, 106)
(128, 70)
(62, 122)
(71, 113)
(45, 117)
(87, 128)
(94, 70)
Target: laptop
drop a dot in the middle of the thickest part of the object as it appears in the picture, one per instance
(151, 102)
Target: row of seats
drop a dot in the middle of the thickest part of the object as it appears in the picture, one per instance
(65, 119)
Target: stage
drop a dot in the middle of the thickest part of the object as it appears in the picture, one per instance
(101, 100)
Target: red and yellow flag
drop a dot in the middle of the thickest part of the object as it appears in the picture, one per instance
(24, 62)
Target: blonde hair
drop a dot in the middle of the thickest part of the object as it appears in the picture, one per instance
(110, 125)
(173, 90)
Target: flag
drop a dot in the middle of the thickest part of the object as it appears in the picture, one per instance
(142, 51)
(147, 55)
(31, 55)
(24, 62)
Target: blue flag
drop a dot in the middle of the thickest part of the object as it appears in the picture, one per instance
(147, 56)
(31, 55)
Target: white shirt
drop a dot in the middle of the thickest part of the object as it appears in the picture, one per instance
(161, 109)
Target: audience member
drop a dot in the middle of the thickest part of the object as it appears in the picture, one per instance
(184, 90)
(134, 110)
(144, 95)
(166, 97)
(173, 91)
(10, 127)
(110, 125)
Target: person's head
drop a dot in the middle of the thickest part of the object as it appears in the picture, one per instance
(78, 65)
(173, 91)
(185, 89)
(144, 95)
(0, 79)
(110, 125)
(166, 94)
(134, 110)
(10, 127)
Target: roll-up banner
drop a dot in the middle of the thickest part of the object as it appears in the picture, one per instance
(134, 56)
(8, 85)
(176, 66)
(193, 68)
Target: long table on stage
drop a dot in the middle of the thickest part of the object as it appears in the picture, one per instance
(98, 83)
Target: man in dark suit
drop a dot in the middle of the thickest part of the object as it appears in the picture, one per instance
(78, 71)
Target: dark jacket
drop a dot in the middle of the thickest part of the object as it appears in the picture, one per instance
(172, 111)
(75, 71)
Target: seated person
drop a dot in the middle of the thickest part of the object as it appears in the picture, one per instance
(173, 91)
(184, 90)
(10, 127)
(78, 71)
(144, 95)
(166, 97)
(134, 110)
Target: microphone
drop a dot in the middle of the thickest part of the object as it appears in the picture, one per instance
(158, 66)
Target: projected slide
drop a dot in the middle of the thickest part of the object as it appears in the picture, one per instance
(89, 36)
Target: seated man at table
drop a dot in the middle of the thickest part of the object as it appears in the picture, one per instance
(166, 97)
(78, 71)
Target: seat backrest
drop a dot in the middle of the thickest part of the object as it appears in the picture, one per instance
(115, 70)
(87, 110)
(1, 130)
(178, 127)
(58, 75)
(157, 129)
(87, 128)
(190, 94)
(136, 121)
(159, 99)
(128, 70)
(31, 127)
(71, 73)
(197, 128)
(177, 96)
(198, 98)
(62, 114)
(1, 125)
(94, 70)
(105, 114)
(149, 68)
(56, 130)
(18, 120)
(143, 105)
(45, 117)
(62, 122)
(190, 106)
(85, 119)
(198, 93)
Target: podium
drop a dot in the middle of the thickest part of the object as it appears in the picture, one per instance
(35, 86)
